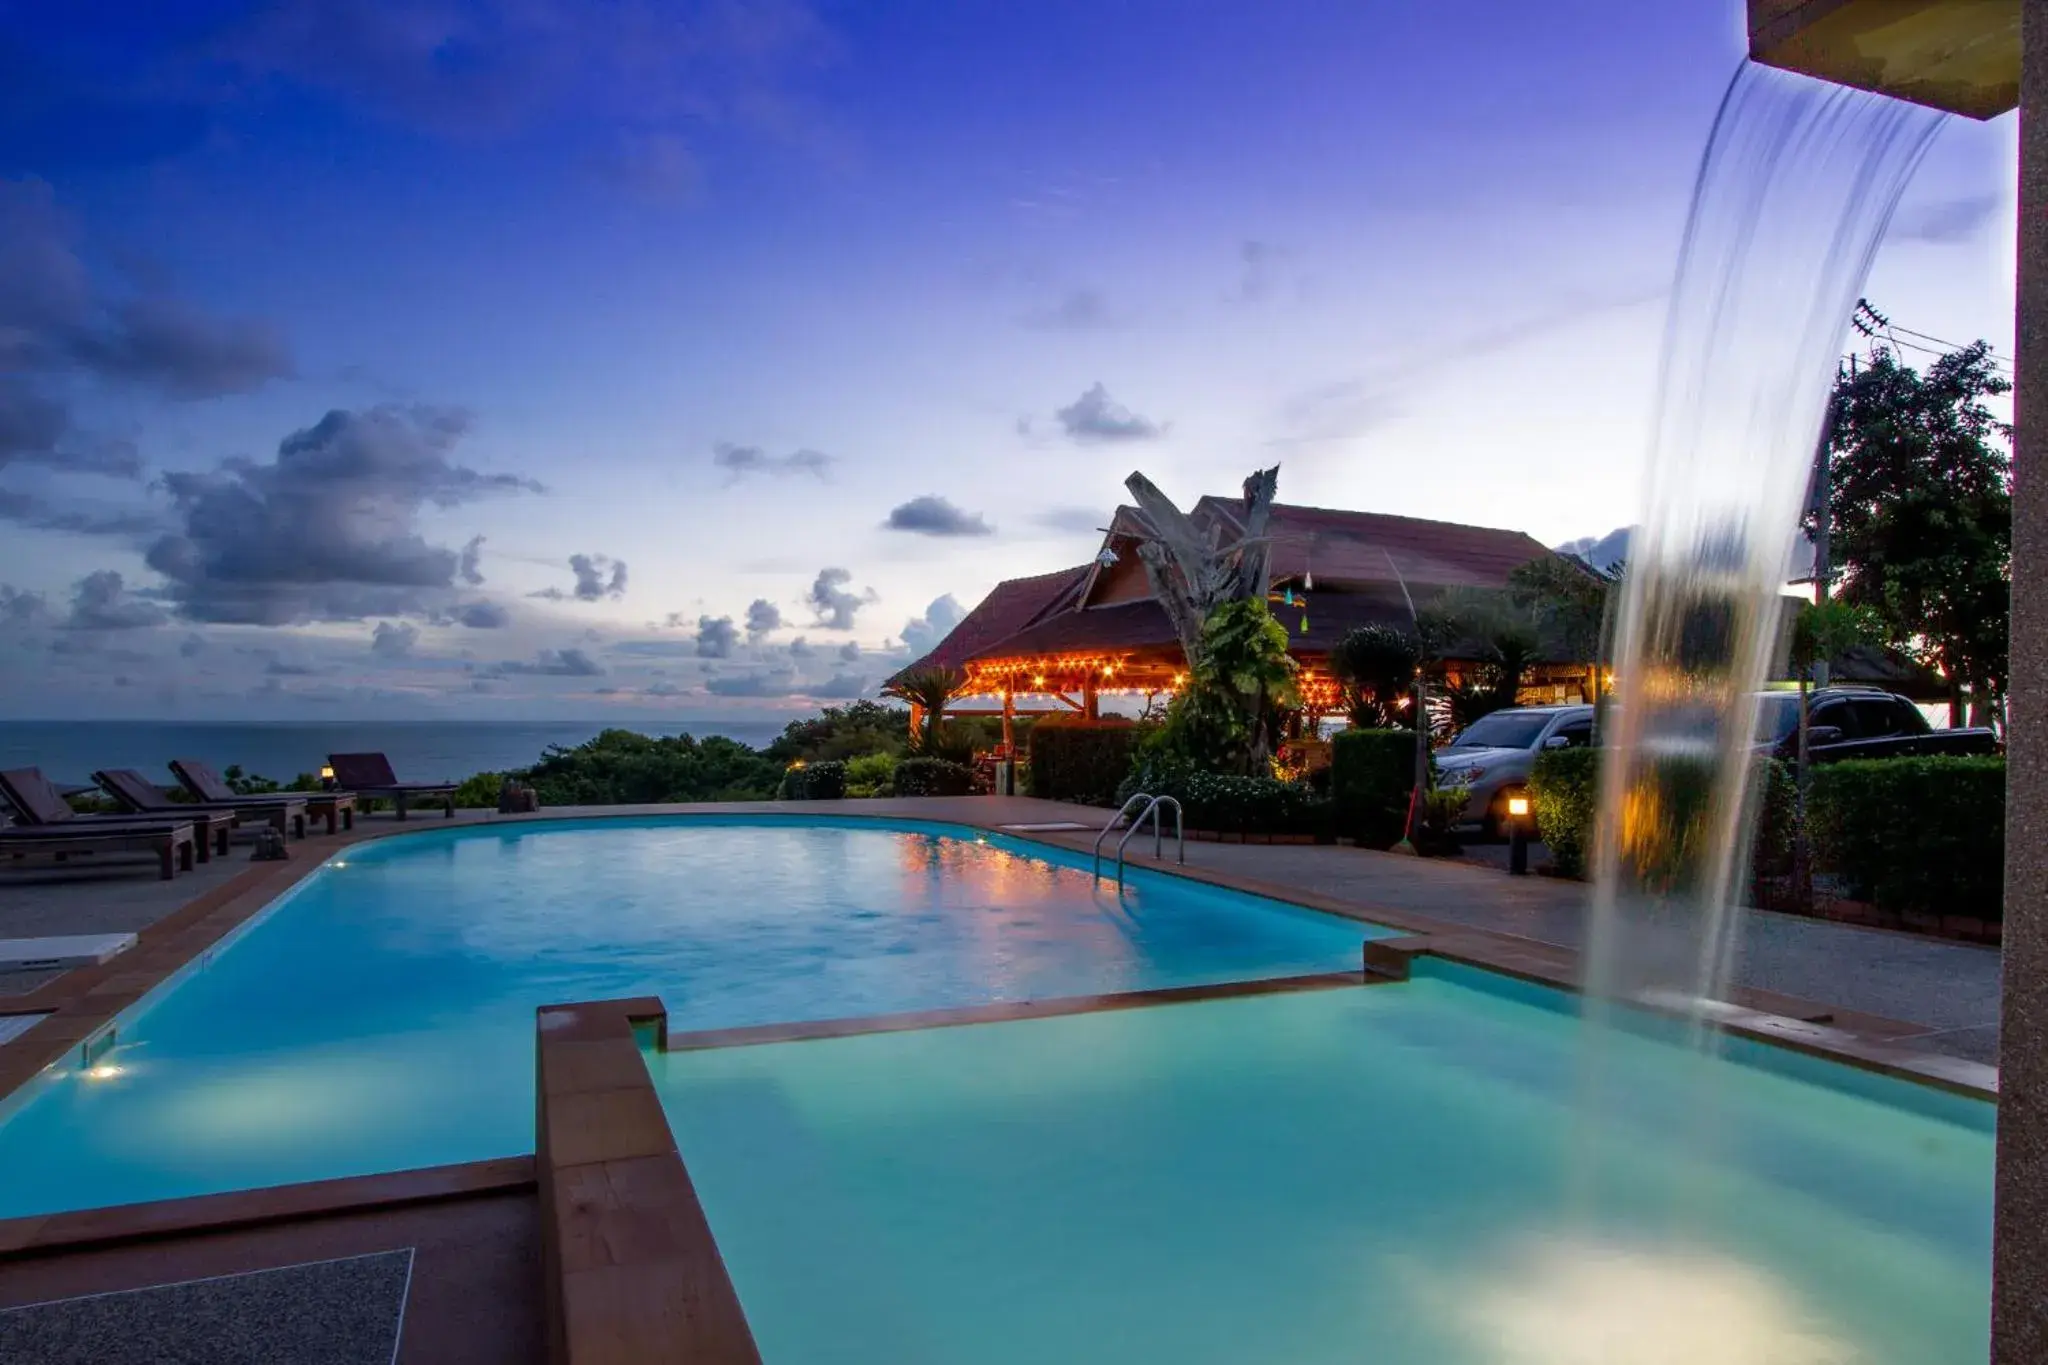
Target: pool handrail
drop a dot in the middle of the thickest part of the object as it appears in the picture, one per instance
(1153, 809)
(1114, 820)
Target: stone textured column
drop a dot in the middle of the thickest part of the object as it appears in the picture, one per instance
(2019, 1278)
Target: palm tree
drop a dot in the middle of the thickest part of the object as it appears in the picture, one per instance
(927, 690)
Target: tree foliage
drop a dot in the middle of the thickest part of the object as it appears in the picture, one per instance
(1227, 718)
(1921, 510)
(619, 766)
(1376, 665)
(1498, 630)
(927, 689)
(840, 732)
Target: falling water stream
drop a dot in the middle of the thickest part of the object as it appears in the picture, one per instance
(1794, 193)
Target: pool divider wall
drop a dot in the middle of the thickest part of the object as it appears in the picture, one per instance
(631, 1272)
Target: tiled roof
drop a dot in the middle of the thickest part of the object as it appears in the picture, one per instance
(1355, 547)
(1127, 625)
(1009, 607)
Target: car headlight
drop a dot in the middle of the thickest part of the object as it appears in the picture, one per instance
(1464, 777)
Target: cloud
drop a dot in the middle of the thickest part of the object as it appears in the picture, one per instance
(1258, 269)
(593, 584)
(467, 564)
(921, 635)
(393, 639)
(102, 602)
(850, 651)
(800, 648)
(170, 345)
(552, 663)
(483, 615)
(1079, 310)
(58, 331)
(192, 646)
(661, 689)
(327, 531)
(833, 605)
(659, 167)
(934, 516)
(1951, 220)
(21, 608)
(750, 685)
(277, 668)
(740, 462)
(840, 686)
(763, 616)
(1095, 419)
(715, 637)
(40, 513)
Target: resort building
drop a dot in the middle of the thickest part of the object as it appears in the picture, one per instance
(1094, 630)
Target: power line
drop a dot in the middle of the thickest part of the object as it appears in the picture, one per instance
(1869, 323)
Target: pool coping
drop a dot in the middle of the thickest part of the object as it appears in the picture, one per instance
(79, 1005)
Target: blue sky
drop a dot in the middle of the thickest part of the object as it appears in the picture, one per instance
(815, 318)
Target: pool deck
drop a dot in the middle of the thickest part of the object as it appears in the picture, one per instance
(615, 1239)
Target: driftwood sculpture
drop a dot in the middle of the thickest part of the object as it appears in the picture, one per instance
(1192, 571)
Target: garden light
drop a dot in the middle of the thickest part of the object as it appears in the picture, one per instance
(1518, 806)
(1518, 834)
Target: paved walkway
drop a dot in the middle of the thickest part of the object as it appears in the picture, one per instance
(1951, 988)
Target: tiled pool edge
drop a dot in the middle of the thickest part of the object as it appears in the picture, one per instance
(630, 1270)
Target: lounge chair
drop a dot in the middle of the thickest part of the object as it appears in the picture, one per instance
(371, 775)
(137, 794)
(45, 823)
(204, 784)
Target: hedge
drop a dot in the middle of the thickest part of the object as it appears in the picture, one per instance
(824, 780)
(1922, 835)
(1081, 760)
(1372, 773)
(1564, 794)
(1227, 803)
(933, 777)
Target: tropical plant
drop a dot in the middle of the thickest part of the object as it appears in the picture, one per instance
(1228, 715)
(1502, 634)
(1376, 665)
(927, 689)
(1920, 512)
(870, 774)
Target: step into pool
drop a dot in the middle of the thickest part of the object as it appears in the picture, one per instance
(380, 1016)
(1446, 1171)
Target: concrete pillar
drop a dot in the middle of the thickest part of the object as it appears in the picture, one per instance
(2019, 1275)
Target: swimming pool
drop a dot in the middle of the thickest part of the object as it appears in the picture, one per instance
(379, 1017)
(1447, 1171)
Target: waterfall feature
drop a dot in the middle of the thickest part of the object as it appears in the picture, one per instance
(1798, 183)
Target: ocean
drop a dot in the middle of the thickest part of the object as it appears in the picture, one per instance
(426, 751)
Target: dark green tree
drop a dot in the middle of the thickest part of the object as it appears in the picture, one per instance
(1376, 665)
(1572, 604)
(1921, 512)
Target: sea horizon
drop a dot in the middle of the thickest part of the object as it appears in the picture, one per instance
(70, 751)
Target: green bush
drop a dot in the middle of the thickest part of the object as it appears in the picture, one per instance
(1564, 796)
(870, 775)
(933, 777)
(479, 789)
(1227, 803)
(824, 780)
(621, 767)
(1925, 835)
(1372, 773)
(1564, 792)
(1082, 760)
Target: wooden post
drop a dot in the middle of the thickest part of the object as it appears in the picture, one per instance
(1091, 702)
(1009, 719)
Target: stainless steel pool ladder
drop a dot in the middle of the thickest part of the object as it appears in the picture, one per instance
(1152, 807)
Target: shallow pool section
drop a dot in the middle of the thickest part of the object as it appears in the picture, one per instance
(1437, 1172)
(381, 1016)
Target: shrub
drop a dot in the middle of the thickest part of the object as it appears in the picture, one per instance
(824, 780)
(933, 777)
(1082, 761)
(1372, 773)
(1564, 791)
(1914, 834)
(621, 767)
(479, 789)
(1564, 795)
(870, 774)
(1229, 803)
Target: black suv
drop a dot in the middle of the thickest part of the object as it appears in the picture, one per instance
(1860, 722)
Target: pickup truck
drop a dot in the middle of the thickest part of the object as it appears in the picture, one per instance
(1860, 722)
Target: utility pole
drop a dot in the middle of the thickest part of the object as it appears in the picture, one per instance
(1823, 502)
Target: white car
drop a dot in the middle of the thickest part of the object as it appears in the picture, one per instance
(1493, 755)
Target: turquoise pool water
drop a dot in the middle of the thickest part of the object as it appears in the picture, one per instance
(1440, 1172)
(380, 1017)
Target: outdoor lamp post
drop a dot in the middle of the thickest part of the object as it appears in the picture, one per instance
(326, 777)
(1518, 835)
